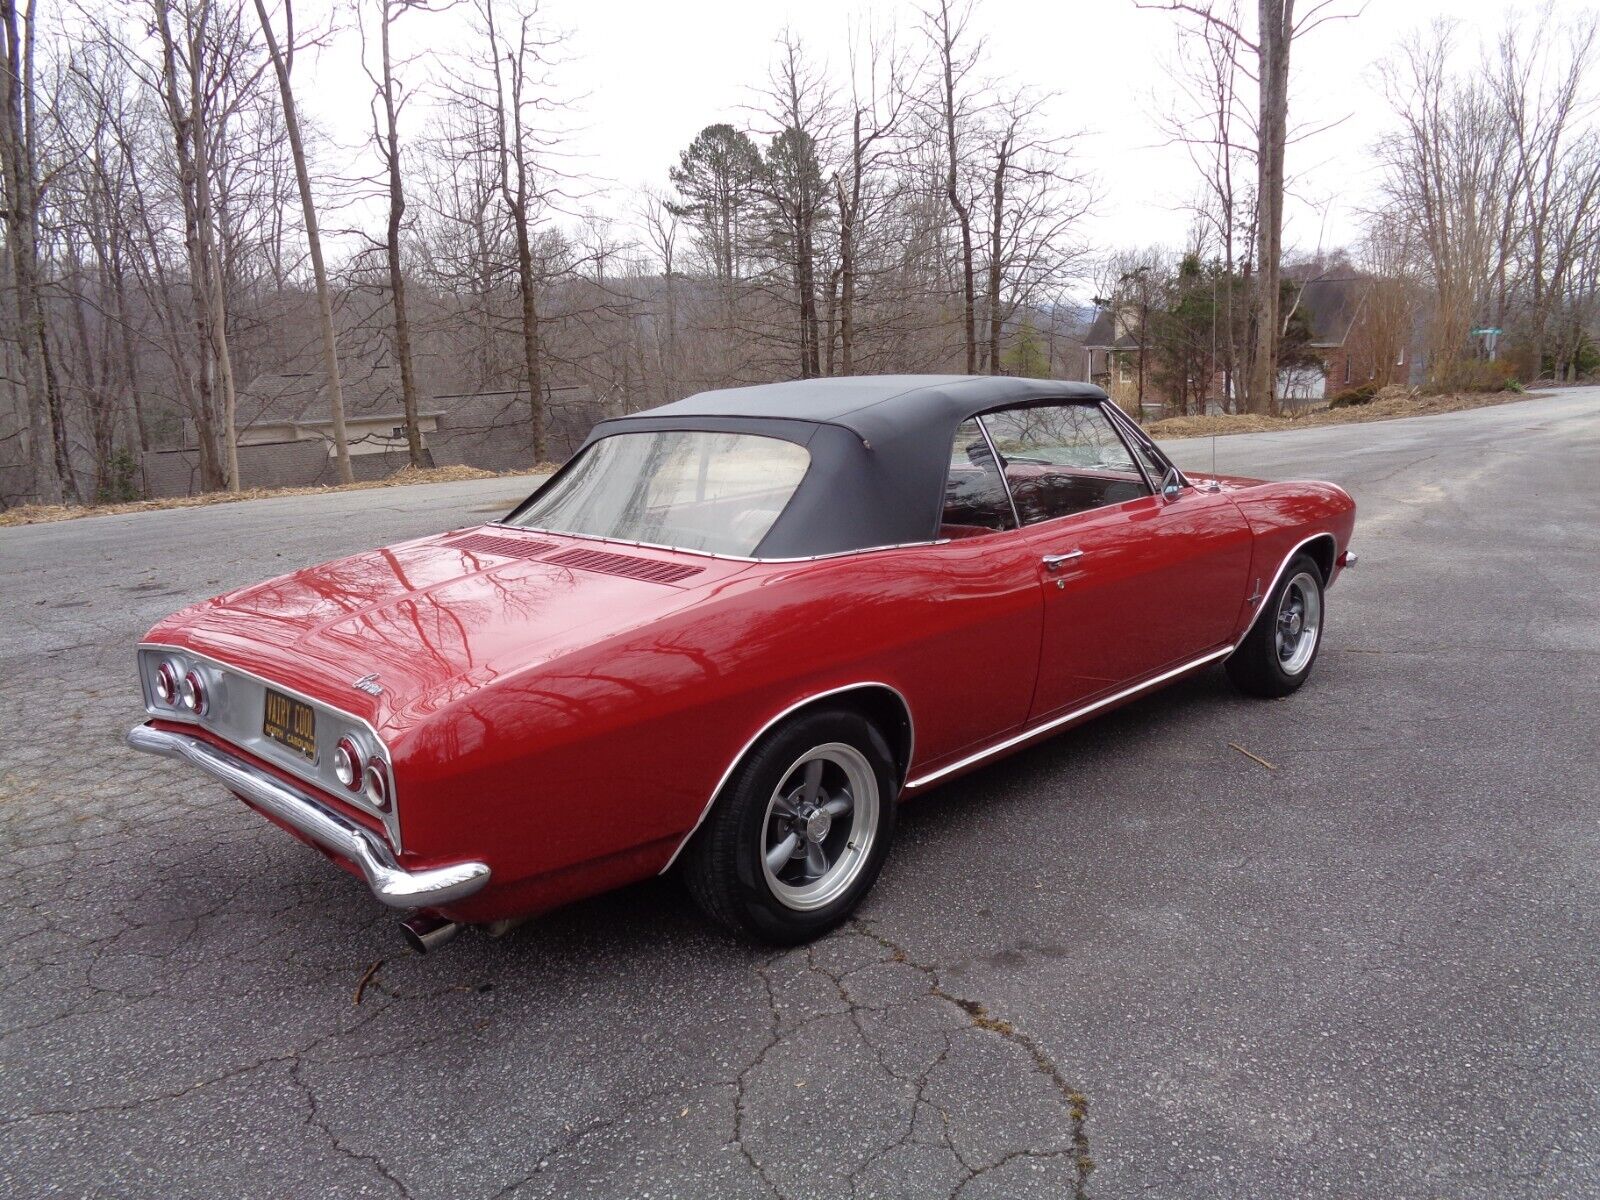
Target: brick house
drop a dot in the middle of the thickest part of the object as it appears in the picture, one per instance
(1333, 309)
(1364, 330)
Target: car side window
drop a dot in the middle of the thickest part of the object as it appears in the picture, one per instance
(1061, 459)
(975, 500)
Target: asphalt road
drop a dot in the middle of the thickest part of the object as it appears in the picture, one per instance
(1368, 971)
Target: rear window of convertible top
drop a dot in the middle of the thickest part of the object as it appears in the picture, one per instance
(689, 489)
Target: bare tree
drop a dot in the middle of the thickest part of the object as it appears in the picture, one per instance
(518, 66)
(1035, 201)
(282, 66)
(1277, 31)
(388, 102)
(878, 98)
(1383, 332)
(663, 229)
(956, 56)
(462, 245)
(1451, 169)
(898, 217)
(793, 185)
(18, 150)
(203, 77)
(1276, 36)
(90, 197)
(1216, 127)
(1539, 81)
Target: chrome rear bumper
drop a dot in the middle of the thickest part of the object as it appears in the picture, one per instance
(331, 830)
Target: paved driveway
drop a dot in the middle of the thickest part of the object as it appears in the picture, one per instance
(1369, 971)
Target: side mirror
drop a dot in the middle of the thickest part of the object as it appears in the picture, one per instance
(1171, 484)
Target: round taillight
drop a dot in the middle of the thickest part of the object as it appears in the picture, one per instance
(193, 693)
(377, 784)
(347, 764)
(167, 683)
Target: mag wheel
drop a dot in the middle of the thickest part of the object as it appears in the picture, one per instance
(1277, 654)
(800, 831)
(821, 827)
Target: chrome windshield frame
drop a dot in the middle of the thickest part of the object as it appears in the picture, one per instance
(1131, 433)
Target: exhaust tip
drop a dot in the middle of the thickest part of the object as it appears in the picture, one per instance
(424, 933)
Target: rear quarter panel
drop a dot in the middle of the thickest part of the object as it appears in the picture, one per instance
(589, 770)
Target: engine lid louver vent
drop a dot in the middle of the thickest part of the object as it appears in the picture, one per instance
(505, 547)
(648, 569)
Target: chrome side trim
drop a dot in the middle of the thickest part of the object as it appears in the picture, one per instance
(760, 733)
(331, 830)
(711, 554)
(1034, 731)
(1278, 578)
(390, 817)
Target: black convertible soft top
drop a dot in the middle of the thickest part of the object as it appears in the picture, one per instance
(879, 446)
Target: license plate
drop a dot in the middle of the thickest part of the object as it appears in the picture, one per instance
(291, 722)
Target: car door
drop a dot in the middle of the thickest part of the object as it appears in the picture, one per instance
(1133, 582)
(983, 611)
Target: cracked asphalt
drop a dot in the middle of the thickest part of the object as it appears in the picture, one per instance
(1133, 961)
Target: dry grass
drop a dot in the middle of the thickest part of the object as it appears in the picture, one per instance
(1388, 405)
(37, 514)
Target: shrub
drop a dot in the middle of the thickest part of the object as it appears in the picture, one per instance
(119, 483)
(1474, 375)
(1351, 397)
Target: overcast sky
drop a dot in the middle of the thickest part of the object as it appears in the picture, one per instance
(653, 74)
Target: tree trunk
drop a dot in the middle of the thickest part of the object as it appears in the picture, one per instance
(184, 135)
(830, 325)
(130, 360)
(530, 340)
(996, 243)
(214, 289)
(230, 403)
(397, 279)
(669, 374)
(92, 382)
(968, 299)
(1276, 36)
(805, 281)
(281, 64)
(953, 190)
(847, 263)
(53, 477)
(514, 190)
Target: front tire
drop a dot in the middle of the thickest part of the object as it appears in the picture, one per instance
(1278, 653)
(800, 831)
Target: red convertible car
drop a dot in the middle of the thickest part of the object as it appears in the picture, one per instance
(728, 636)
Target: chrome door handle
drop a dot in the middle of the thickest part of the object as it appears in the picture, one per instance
(1052, 562)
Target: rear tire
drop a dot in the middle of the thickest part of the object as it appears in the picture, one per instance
(798, 834)
(1278, 653)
